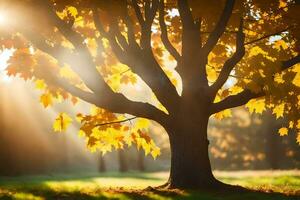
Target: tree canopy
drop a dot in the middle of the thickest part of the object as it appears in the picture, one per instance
(98, 51)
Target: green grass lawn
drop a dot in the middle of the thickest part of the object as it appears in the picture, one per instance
(275, 185)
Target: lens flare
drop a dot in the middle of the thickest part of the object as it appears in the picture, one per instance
(2, 18)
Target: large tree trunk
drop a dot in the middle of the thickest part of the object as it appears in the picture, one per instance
(190, 164)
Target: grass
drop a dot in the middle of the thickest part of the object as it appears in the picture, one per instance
(273, 185)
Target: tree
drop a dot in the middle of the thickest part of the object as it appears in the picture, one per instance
(102, 164)
(243, 53)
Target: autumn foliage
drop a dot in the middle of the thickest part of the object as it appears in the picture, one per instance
(180, 52)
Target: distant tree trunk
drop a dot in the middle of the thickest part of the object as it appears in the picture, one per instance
(102, 165)
(141, 161)
(123, 166)
(274, 149)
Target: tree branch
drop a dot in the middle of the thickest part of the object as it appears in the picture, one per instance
(138, 13)
(143, 63)
(146, 30)
(117, 122)
(220, 27)
(164, 33)
(185, 14)
(111, 37)
(267, 36)
(231, 63)
(290, 63)
(235, 101)
(102, 97)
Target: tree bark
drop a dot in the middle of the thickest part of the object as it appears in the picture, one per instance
(190, 164)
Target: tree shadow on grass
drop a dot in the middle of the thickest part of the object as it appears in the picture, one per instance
(45, 192)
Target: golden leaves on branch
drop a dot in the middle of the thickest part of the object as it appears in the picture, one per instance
(105, 131)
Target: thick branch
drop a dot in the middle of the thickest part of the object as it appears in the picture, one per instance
(111, 37)
(232, 62)
(146, 31)
(235, 101)
(290, 63)
(130, 32)
(164, 33)
(220, 27)
(103, 97)
(143, 63)
(138, 13)
(185, 14)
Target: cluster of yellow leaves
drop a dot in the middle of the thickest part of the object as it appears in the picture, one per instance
(261, 73)
(21, 63)
(105, 131)
(44, 71)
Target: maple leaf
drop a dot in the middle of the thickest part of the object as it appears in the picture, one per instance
(46, 99)
(224, 114)
(62, 122)
(155, 152)
(257, 106)
(279, 110)
(283, 131)
(40, 84)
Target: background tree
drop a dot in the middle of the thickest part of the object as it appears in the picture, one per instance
(102, 164)
(197, 61)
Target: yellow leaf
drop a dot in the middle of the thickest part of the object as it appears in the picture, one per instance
(235, 90)
(283, 131)
(279, 78)
(46, 99)
(62, 122)
(155, 152)
(73, 11)
(291, 124)
(281, 44)
(211, 74)
(223, 114)
(256, 51)
(40, 84)
(282, 4)
(298, 138)
(296, 80)
(279, 110)
(257, 106)
(142, 123)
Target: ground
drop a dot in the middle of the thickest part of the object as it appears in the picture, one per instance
(281, 185)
